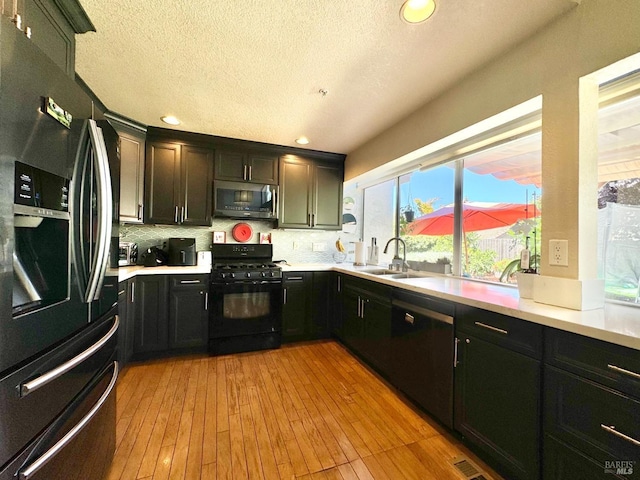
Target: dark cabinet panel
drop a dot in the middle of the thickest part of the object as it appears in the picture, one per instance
(162, 172)
(188, 311)
(149, 303)
(242, 166)
(310, 194)
(178, 184)
(295, 309)
(366, 324)
(328, 196)
(319, 318)
(197, 171)
(336, 324)
(562, 462)
(295, 193)
(497, 405)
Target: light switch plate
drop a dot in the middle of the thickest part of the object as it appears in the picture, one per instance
(559, 253)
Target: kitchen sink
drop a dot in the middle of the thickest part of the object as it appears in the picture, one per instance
(392, 274)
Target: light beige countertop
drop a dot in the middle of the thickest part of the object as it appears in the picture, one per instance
(125, 273)
(615, 323)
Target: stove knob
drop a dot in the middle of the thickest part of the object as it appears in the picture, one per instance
(232, 275)
(248, 274)
(273, 274)
(222, 275)
(263, 274)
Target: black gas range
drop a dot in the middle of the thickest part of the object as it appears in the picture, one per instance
(245, 299)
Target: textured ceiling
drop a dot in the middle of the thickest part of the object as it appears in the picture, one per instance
(253, 69)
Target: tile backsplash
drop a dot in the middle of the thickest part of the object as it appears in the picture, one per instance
(294, 246)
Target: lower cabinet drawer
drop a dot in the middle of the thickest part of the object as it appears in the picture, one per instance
(602, 423)
(562, 462)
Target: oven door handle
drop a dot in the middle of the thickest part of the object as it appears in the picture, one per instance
(42, 380)
(31, 470)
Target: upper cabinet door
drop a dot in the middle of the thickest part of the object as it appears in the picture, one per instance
(328, 182)
(240, 166)
(162, 177)
(295, 192)
(131, 177)
(230, 165)
(262, 169)
(197, 170)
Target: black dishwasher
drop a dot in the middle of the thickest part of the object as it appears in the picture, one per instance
(422, 352)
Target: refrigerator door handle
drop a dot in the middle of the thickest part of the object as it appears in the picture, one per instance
(31, 470)
(42, 380)
(105, 210)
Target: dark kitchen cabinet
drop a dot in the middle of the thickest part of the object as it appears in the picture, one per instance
(132, 151)
(126, 329)
(242, 166)
(421, 363)
(367, 321)
(296, 294)
(52, 25)
(178, 184)
(149, 311)
(188, 311)
(591, 407)
(306, 309)
(336, 280)
(319, 325)
(310, 193)
(497, 390)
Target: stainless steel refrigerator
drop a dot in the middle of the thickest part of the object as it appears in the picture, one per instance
(59, 170)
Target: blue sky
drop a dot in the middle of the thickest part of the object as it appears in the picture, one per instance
(438, 183)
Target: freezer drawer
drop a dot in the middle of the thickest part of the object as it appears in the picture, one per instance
(79, 444)
(35, 394)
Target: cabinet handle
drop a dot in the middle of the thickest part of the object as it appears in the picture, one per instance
(363, 303)
(284, 301)
(339, 286)
(309, 220)
(493, 329)
(175, 215)
(140, 211)
(409, 318)
(624, 371)
(313, 219)
(293, 278)
(121, 292)
(456, 341)
(244, 172)
(189, 281)
(206, 300)
(133, 292)
(250, 173)
(612, 429)
(182, 214)
(359, 307)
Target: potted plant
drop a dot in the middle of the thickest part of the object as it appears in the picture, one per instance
(408, 212)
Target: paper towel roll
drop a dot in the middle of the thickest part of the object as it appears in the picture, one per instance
(361, 254)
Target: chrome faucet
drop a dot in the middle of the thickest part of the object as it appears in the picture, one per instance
(398, 263)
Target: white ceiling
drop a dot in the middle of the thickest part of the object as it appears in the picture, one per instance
(253, 69)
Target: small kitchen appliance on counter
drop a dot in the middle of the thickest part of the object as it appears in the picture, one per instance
(127, 254)
(182, 252)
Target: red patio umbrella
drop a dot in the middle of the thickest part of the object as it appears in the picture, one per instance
(475, 216)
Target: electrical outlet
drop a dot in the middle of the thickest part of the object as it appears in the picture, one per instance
(318, 247)
(559, 253)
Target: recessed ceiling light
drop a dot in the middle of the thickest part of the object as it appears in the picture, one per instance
(417, 11)
(170, 119)
(302, 141)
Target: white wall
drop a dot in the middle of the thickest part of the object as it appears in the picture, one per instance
(593, 35)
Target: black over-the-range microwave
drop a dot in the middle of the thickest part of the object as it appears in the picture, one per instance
(245, 200)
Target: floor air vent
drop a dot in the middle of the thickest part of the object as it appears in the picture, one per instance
(468, 470)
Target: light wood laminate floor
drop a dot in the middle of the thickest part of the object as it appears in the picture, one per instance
(308, 410)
